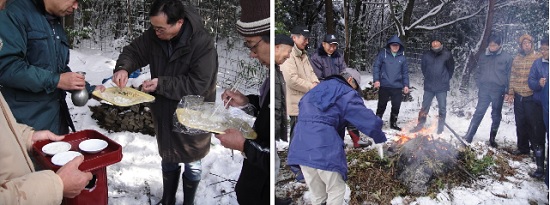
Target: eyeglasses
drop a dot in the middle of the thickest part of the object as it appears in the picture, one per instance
(162, 29)
(252, 48)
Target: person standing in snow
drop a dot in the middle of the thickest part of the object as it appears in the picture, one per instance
(537, 81)
(318, 145)
(492, 76)
(521, 95)
(298, 73)
(328, 60)
(283, 47)
(253, 185)
(20, 183)
(391, 76)
(183, 61)
(34, 58)
(437, 66)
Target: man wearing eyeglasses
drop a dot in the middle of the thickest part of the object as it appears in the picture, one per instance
(183, 61)
(253, 185)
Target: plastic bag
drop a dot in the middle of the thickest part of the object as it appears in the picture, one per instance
(194, 116)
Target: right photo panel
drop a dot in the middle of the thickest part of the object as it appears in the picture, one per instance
(411, 102)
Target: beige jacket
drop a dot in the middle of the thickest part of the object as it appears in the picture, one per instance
(19, 184)
(299, 78)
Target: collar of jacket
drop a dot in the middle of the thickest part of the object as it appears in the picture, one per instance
(321, 51)
(298, 52)
(488, 53)
(39, 5)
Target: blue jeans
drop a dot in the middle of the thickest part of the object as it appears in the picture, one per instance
(192, 171)
(427, 101)
(486, 96)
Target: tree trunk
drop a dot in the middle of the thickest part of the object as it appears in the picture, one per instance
(346, 31)
(407, 16)
(329, 17)
(68, 23)
(474, 56)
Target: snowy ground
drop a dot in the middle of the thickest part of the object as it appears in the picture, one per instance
(519, 189)
(137, 179)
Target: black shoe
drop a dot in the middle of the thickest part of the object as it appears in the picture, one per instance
(439, 130)
(492, 143)
(519, 152)
(416, 128)
(395, 127)
(279, 201)
(538, 174)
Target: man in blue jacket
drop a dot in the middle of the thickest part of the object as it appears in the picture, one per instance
(391, 76)
(437, 67)
(328, 60)
(34, 57)
(537, 81)
(318, 145)
(492, 76)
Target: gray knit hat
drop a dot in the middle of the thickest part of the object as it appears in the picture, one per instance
(255, 18)
(350, 72)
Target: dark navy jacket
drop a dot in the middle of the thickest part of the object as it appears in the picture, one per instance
(325, 65)
(437, 68)
(539, 70)
(324, 113)
(391, 71)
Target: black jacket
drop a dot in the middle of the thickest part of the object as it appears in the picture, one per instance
(253, 184)
(191, 69)
(438, 69)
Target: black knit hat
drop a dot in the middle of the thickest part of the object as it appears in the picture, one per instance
(283, 39)
(254, 19)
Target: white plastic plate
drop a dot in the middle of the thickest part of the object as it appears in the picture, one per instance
(56, 147)
(62, 158)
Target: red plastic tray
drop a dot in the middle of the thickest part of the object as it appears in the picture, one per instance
(110, 155)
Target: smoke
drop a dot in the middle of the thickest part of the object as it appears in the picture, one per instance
(421, 159)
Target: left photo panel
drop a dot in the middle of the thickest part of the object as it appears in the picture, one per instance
(137, 102)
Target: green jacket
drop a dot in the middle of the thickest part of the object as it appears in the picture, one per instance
(35, 52)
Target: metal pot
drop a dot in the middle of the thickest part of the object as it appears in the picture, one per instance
(80, 97)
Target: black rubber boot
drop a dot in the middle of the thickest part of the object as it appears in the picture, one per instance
(417, 128)
(393, 123)
(492, 136)
(170, 181)
(539, 160)
(189, 190)
(440, 125)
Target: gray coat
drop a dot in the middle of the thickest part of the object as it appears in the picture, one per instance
(493, 71)
(190, 70)
(438, 69)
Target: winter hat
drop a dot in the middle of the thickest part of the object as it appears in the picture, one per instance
(301, 30)
(524, 37)
(254, 19)
(283, 39)
(350, 72)
(330, 39)
(435, 37)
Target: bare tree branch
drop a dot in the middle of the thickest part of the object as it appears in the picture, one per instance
(450, 22)
(432, 12)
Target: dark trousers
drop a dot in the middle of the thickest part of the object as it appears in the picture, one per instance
(293, 121)
(384, 95)
(487, 96)
(523, 132)
(536, 122)
(427, 101)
